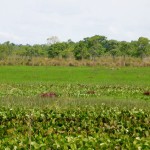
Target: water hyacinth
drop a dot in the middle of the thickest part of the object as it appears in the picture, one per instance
(99, 127)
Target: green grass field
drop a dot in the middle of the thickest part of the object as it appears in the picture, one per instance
(96, 108)
(75, 82)
(86, 75)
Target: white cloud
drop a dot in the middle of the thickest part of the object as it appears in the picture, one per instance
(35, 20)
(9, 37)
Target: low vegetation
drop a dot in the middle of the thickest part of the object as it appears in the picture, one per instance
(105, 61)
(98, 127)
(74, 108)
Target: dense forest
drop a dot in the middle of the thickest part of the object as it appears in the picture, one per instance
(89, 48)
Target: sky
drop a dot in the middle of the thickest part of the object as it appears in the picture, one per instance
(33, 21)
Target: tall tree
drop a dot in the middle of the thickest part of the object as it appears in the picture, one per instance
(143, 46)
(124, 48)
(81, 51)
(56, 50)
(113, 48)
(95, 45)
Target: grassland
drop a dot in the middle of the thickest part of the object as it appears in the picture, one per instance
(87, 75)
(96, 108)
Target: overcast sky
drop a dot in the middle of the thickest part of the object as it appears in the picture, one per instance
(33, 21)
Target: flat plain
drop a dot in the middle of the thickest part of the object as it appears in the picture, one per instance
(95, 107)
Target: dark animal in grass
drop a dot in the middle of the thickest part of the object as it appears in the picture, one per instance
(90, 92)
(49, 95)
(147, 93)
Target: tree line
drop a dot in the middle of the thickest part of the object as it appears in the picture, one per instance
(88, 48)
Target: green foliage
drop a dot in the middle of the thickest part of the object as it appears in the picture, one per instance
(5, 50)
(74, 128)
(95, 45)
(58, 49)
(81, 51)
(124, 48)
(90, 47)
(143, 46)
